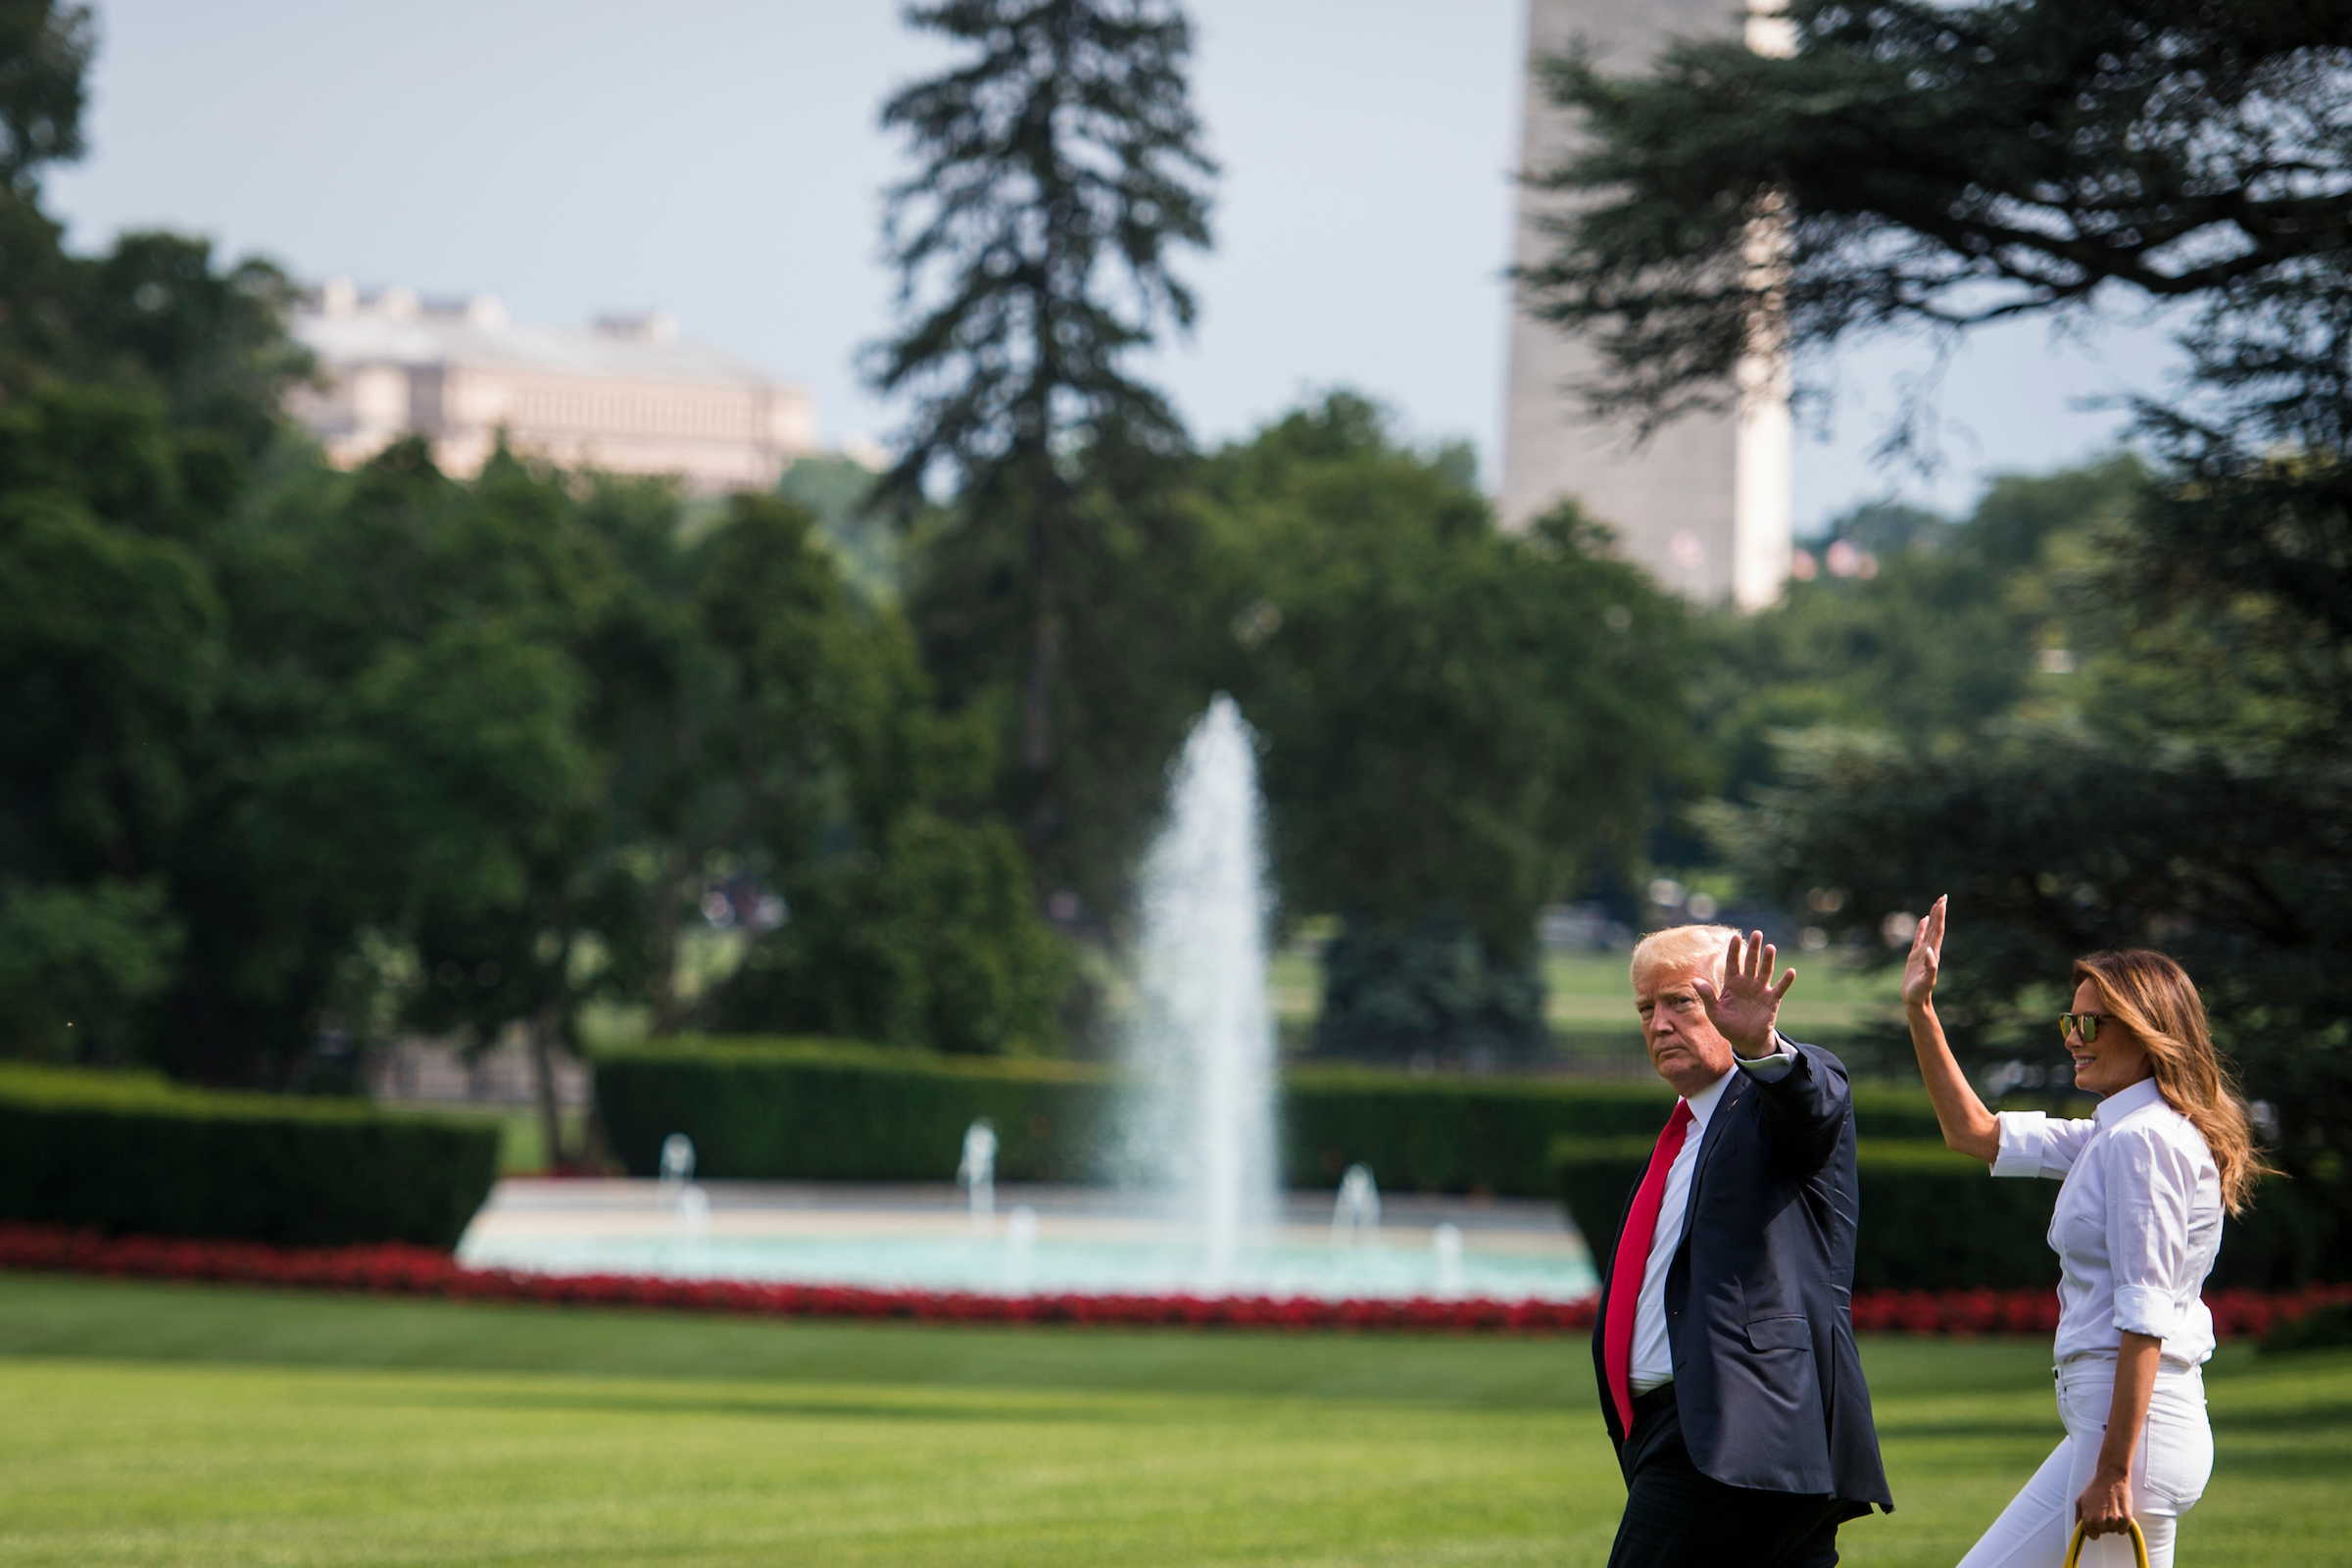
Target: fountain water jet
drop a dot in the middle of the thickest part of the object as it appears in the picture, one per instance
(976, 1174)
(1445, 1242)
(1198, 1119)
(1357, 1212)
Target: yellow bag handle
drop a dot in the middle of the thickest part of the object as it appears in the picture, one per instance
(2139, 1545)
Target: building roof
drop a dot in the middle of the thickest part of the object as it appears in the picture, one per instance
(392, 325)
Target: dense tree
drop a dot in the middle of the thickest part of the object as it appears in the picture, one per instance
(294, 753)
(1059, 168)
(1935, 166)
(637, 721)
(1950, 630)
(45, 51)
(807, 759)
(1460, 723)
(153, 314)
(1145, 645)
(111, 648)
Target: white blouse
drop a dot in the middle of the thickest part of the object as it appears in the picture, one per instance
(2138, 1223)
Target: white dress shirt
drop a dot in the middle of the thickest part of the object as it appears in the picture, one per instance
(2136, 1225)
(1653, 1355)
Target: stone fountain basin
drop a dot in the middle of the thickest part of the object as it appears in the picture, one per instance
(1087, 1241)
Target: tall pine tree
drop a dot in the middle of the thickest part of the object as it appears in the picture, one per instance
(1060, 165)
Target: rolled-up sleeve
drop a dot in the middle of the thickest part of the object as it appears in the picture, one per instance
(2033, 1144)
(2150, 1186)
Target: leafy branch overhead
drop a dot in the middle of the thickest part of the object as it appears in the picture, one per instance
(1944, 166)
(1950, 165)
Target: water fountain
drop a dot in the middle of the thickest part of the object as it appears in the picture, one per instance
(976, 1172)
(677, 1165)
(1020, 1248)
(1197, 1123)
(689, 1206)
(1357, 1209)
(1445, 1243)
(1194, 1133)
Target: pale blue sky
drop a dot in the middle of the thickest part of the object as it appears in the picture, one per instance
(719, 158)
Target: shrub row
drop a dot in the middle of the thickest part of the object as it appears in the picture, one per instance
(1935, 1220)
(817, 1110)
(129, 1153)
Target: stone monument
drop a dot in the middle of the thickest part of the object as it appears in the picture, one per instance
(1705, 502)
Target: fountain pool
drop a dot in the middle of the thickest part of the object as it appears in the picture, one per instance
(1053, 1241)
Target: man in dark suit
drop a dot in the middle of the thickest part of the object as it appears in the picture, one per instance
(1725, 1345)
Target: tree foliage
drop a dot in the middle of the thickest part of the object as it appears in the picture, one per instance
(1460, 723)
(1946, 635)
(295, 753)
(1952, 165)
(47, 48)
(1059, 168)
(1145, 640)
(1936, 166)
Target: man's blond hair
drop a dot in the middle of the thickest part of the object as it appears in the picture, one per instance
(1683, 948)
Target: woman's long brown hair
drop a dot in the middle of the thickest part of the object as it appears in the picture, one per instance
(2153, 997)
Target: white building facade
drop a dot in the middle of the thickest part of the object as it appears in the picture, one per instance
(624, 396)
(1705, 503)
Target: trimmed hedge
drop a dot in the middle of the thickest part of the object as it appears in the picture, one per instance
(823, 1111)
(1450, 1135)
(819, 1110)
(1932, 1219)
(133, 1154)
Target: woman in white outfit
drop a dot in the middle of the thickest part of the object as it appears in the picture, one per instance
(2136, 1229)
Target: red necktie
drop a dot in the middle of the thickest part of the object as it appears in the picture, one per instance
(1632, 1261)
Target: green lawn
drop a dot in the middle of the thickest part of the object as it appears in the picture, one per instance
(193, 1425)
(1588, 993)
(1590, 990)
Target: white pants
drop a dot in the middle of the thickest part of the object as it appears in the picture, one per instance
(2168, 1470)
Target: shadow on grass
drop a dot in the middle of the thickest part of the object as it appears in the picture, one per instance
(2015, 1429)
(2285, 1420)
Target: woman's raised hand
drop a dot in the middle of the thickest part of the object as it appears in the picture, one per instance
(1926, 958)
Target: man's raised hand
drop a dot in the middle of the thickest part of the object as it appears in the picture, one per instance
(1748, 1004)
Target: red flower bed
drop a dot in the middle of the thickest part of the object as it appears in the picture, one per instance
(397, 1269)
(2236, 1313)
(402, 1270)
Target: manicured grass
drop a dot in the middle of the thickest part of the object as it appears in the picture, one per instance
(171, 1424)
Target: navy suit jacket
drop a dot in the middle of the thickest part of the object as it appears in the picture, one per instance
(1759, 1299)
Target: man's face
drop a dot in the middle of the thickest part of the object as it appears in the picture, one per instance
(1682, 1043)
